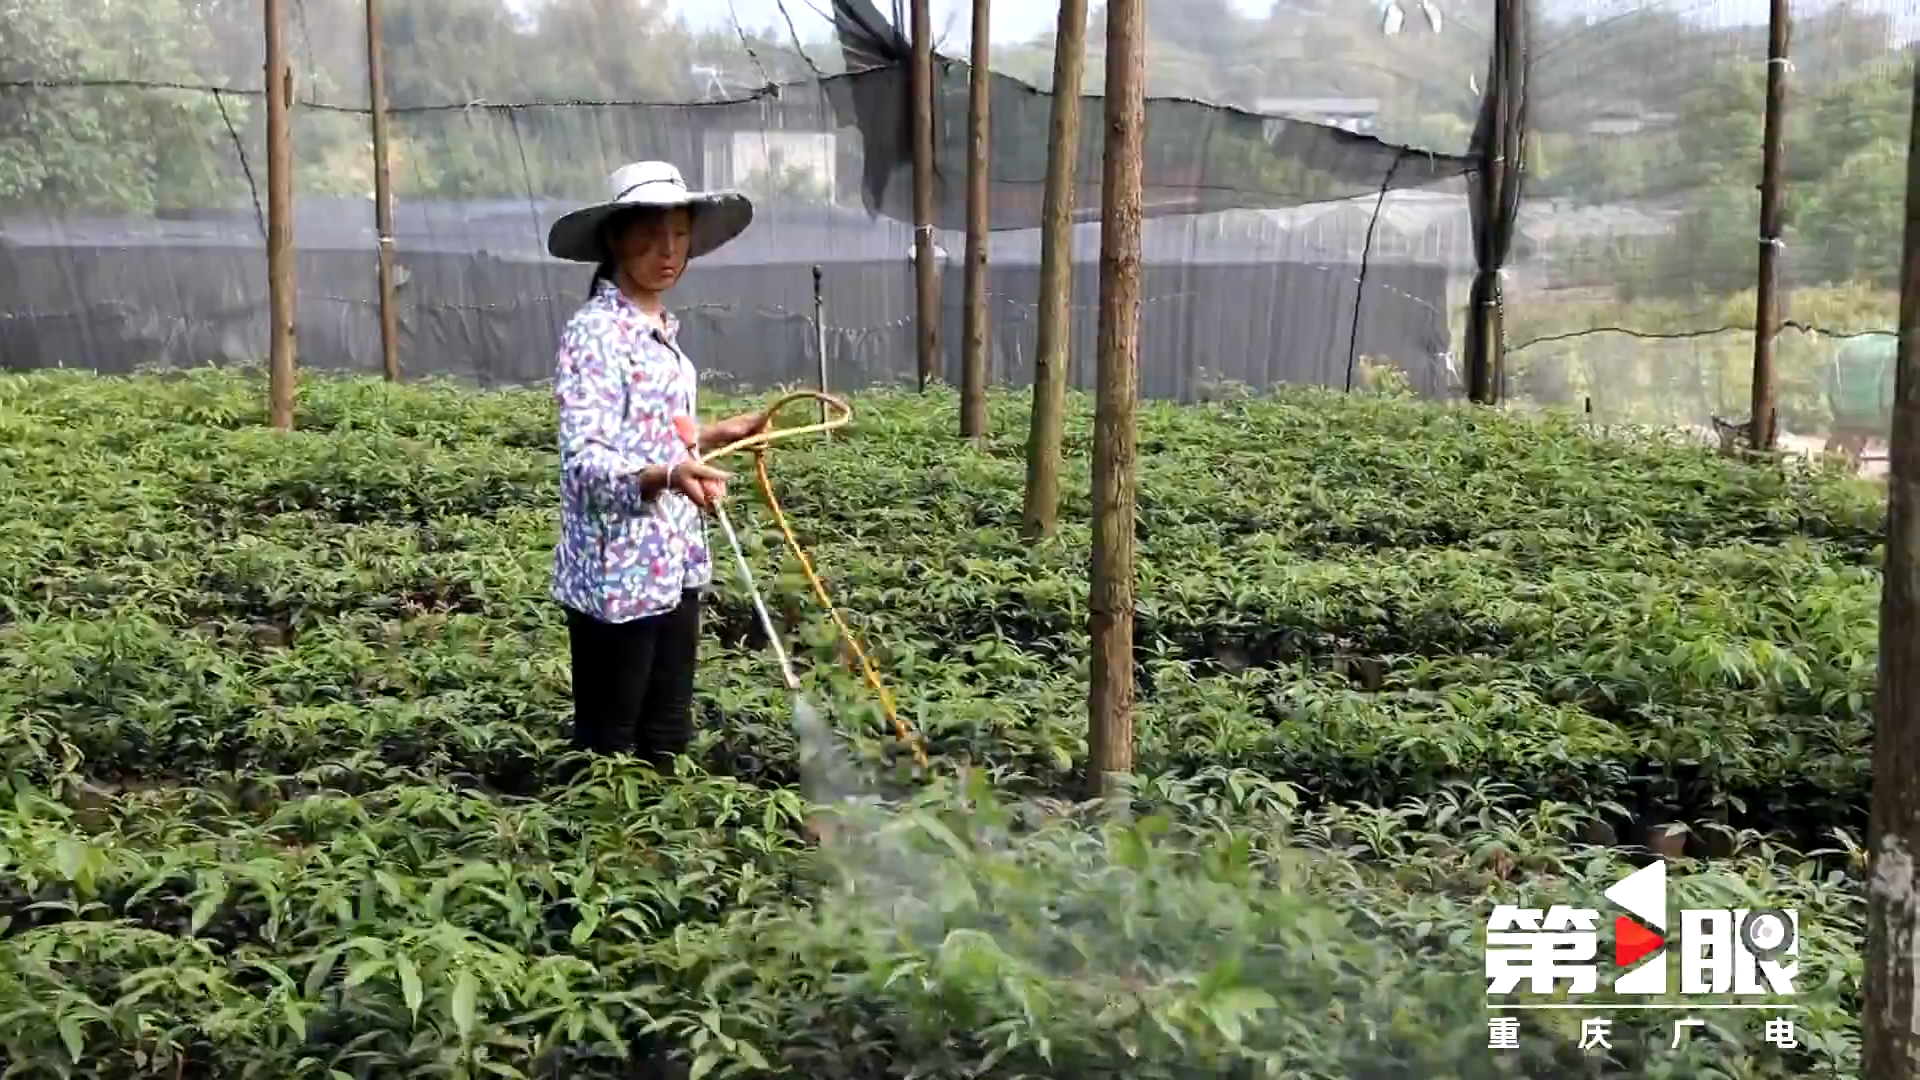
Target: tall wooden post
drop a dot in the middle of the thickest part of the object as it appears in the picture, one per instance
(926, 308)
(382, 191)
(1766, 328)
(279, 79)
(1047, 429)
(973, 356)
(1110, 605)
(1890, 1030)
(1484, 332)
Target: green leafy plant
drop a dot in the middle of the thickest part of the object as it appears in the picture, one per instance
(287, 792)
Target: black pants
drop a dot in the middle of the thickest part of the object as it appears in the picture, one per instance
(633, 681)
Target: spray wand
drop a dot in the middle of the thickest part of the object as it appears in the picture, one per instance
(835, 413)
(690, 435)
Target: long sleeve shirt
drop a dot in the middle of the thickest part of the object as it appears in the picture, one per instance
(620, 380)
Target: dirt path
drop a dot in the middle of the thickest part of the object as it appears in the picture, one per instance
(1874, 465)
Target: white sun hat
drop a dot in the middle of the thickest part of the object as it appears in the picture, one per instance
(718, 216)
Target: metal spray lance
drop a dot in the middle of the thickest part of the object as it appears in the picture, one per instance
(690, 435)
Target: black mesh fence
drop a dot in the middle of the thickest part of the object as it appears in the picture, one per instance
(1634, 289)
(1315, 179)
(132, 187)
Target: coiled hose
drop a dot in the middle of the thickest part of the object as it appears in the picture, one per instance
(835, 413)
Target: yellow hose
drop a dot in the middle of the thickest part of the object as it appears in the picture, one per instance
(757, 443)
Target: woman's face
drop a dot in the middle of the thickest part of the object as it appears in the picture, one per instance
(652, 248)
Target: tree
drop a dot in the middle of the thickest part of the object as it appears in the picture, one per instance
(778, 180)
(630, 50)
(1048, 427)
(445, 52)
(110, 148)
(1032, 62)
(441, 52)
(1207, 50)
(1844, 180)
(1849, 214)
(1890, 1038)
(450, 52)
(1110, 603)
(1847, 177)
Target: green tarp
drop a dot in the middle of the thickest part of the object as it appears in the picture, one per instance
(1860, 386)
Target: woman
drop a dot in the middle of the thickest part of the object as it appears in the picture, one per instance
(633, 558)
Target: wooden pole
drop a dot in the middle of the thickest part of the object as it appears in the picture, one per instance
(1484, 346)
(820, 336)
(1110, 603)
(279, 79)
(382, 191)
(926, 285)
(973, 356)
(1890, 1035)
(1047, 430)
(1766, 328)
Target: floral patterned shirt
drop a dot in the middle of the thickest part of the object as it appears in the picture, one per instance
(620, 379)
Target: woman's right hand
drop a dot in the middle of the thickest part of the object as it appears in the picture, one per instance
(698, 481)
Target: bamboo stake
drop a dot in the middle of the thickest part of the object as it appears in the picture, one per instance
(1047, 431)
(973, 355)
(382, 191)
(1484, 342)
(926, 287)
(1110, 603)
(1766, 329)
(279, 80)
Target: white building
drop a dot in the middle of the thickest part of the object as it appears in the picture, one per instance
(1358, 115)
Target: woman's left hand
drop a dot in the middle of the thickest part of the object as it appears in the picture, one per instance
(735, 428)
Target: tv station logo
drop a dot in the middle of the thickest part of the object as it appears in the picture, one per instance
(1725, 954)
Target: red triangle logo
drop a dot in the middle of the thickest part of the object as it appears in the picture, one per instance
(1631, 941)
